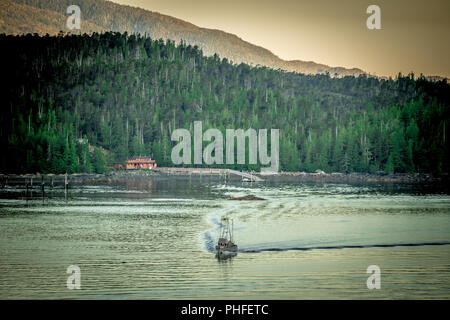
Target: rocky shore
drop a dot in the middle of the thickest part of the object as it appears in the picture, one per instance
(318, 176)
(359, 177)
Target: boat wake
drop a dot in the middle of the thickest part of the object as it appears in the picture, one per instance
(388, 245)
(209, 242)
(309, 224)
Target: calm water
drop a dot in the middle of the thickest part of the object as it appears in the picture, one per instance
(154, 239)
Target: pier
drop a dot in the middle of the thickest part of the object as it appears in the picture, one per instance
(226, 173)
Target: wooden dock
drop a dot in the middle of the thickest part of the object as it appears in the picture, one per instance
(208, 172)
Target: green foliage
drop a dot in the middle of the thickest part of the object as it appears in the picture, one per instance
(98, 161)
(79, 103)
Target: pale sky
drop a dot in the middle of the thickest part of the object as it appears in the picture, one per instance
(414, 36)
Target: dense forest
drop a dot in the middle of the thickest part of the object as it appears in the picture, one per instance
(78, 103)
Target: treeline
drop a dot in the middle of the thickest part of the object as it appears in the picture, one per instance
(81, 103)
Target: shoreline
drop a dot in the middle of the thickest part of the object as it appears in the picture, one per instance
(223, 174)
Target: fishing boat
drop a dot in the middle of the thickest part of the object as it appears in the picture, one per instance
(225, 246)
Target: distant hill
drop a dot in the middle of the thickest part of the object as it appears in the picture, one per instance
(17, 18)
(48, 16)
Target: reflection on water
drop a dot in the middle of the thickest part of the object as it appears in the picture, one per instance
(146, 238)
(221, 256)
(140, 184)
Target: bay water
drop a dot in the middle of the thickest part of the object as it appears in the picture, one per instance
(148, 238)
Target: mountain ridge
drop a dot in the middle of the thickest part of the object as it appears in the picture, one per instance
(101, 15)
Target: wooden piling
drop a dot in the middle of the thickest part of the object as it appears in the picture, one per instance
(43, 188)
(66, 186)
(27, 187)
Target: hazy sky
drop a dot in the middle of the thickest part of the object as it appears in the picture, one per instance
(415, 35)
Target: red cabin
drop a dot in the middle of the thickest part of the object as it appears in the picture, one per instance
(137, 163)
(140, 163)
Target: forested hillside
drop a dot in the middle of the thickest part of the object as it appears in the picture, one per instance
(75, 103)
